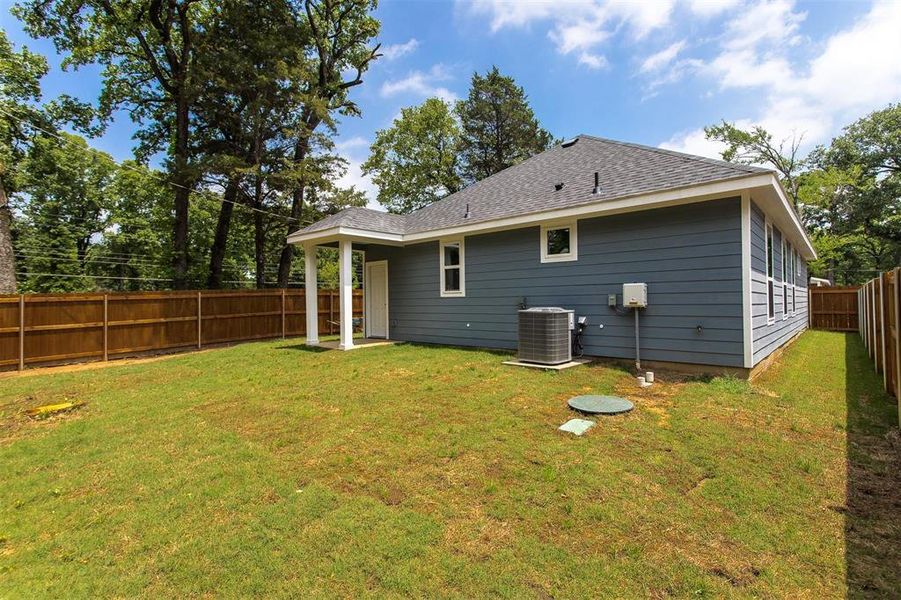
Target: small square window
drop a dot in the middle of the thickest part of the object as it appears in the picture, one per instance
(559, 242)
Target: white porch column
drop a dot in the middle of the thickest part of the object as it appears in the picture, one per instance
(346, 277)
(311, 291)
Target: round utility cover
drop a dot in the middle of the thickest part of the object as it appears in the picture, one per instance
(600, 405)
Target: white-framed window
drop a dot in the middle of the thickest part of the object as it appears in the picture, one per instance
(559, 242)
(452, 257)
(792, 272)
(770, 275)
(784, 279)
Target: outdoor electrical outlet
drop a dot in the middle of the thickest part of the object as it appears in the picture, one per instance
(611, 300)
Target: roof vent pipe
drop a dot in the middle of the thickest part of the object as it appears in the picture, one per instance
(597, 184)
(466, 215)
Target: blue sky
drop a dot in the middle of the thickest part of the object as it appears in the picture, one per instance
(652, 72)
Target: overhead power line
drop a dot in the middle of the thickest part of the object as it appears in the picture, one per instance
(160, 176)
(70, 276)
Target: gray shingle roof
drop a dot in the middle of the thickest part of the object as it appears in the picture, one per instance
(625, 169)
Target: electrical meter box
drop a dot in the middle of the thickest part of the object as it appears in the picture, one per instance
(635, 295)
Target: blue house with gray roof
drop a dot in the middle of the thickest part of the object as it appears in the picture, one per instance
(721, 249)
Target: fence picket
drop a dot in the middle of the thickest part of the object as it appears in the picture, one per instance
(66, 327)
(880, 328)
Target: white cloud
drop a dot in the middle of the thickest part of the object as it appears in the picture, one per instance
(580, 35)
(354, 150)
(510, 13)
(658, 60)
(710, 8)
(861, 67)
(422, 84)
(773, 21)
(856, 70)
(579, 28)
(395, 51)
(351, 144)
(593, 61)
(694, 142)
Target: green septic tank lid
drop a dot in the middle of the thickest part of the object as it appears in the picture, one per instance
(600, 405)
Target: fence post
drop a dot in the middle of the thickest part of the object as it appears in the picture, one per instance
(21, 332)
(883, 327)
(105, 327)
(283, 313)
(897, 293)
(872, 308)
(331, 312)
(199, 322)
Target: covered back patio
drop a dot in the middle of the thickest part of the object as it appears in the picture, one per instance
(374, 283)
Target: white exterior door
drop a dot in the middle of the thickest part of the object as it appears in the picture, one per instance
(377, 299)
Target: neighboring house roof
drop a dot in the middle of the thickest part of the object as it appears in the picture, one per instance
(624, 170)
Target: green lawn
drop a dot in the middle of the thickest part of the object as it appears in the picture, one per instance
(267, 468)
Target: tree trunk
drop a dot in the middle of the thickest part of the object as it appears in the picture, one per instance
(7, 256)
(259, 235)
(301, 150)
(182, 194)
(287, 256)
(217, 251)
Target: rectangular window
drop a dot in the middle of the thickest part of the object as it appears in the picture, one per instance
(453, 269)
(559, 242)
(770, 269)
(784, 275)
(792, 262)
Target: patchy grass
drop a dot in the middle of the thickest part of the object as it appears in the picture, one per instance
(395, 471)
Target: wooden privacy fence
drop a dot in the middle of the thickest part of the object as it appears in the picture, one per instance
(880, 315)
(51, 328)
(834, 308)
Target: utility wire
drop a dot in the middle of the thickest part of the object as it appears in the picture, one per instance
(159, 176)
(70, 276)
(60, 257)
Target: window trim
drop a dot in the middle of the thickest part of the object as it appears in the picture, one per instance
(768, 236)
(573, 253)
(793, 263)
(461, 293)
(784, 245)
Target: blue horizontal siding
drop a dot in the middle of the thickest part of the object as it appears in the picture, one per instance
(690, 257)
(768, 337)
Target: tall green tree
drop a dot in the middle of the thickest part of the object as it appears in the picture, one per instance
(135, 250)
(148, 52)
(499, 127)
(340, 52)
(848, 193)
(867, 158)
(414, 162)
(22, 119)
(756, 146)
(65, 206)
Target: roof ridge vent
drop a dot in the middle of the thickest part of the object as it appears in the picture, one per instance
(569, 142)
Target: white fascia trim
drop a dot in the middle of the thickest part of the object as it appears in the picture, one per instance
(794, 217)
(675, 197)
(333, 233)
(746, 292)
